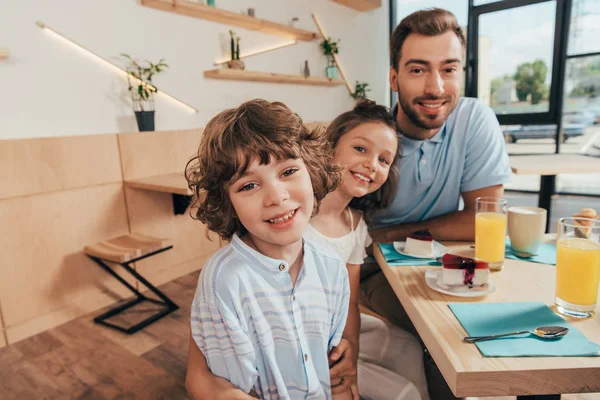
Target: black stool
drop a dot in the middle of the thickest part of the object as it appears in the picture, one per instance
(124, 250)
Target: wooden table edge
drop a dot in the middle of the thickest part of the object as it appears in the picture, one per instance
(449, 374)
(538, 377)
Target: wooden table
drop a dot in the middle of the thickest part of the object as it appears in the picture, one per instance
(175, 183)
(548, 166)
(466, 371)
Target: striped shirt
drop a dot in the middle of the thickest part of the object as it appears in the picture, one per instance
(260, 332)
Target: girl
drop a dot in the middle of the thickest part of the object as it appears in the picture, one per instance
(390, 364)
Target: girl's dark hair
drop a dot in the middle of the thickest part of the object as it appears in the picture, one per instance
(368, 111)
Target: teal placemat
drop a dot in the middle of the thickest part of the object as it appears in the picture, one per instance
(546, 254)
(480, 319)
(394, 258)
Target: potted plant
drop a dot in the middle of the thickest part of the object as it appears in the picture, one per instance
(139, 78)
(330, 47)
(360, 91)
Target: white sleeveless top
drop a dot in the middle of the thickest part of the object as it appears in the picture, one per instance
(351, 246)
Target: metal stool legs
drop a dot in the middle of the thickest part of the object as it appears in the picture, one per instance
(168, 305)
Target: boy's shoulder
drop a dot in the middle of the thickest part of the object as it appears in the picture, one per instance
(323, 252)
(225, 267)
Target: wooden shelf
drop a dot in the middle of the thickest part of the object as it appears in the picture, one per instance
(4, 53)
(198, 10)
(360, 5)
(254, 76)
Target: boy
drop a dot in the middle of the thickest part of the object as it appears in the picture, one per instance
(269, 306)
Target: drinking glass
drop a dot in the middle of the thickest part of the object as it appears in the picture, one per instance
(490, 230)
(577, 266)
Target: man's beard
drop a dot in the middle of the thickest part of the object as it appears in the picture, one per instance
(425, 122)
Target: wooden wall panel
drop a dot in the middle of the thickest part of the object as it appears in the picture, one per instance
(45, 279)
(31, 166)
(146, 154)
(151, 213)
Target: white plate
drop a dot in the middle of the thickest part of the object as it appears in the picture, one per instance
(438, 250)
(432, 277)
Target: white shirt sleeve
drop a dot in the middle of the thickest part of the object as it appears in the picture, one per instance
(228, 349)
(363, 240)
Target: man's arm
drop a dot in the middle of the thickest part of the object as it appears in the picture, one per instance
(201, 384)
(457, 225)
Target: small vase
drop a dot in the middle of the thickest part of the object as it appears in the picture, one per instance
(210, 3)
(145, 120)
(236, 64)
(332, 72)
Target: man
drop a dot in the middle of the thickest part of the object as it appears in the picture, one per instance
(451, 148)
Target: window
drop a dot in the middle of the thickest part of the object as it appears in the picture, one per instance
(584, 27)
(519, 83)
(512, 54)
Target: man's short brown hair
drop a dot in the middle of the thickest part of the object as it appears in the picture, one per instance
(428, 22)
(256, 130)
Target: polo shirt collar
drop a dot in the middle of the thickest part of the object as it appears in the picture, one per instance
(409, 145)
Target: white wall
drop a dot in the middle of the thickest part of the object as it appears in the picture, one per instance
(48, 88)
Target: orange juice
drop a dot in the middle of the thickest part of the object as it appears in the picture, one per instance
(490, 236)
(577, 271)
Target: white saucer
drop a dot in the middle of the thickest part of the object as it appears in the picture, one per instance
(438, 250)
(432, 277)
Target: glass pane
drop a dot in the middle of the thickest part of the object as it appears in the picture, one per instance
(528, 139)
(584, 29)
(516, 47)
(581, 118)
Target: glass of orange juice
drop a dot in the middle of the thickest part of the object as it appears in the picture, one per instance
(577, 266)
(490, 230)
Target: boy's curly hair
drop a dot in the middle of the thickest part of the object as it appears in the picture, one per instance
(256, 130)
(368, 111)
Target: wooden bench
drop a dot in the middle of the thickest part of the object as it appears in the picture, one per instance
(124, 250)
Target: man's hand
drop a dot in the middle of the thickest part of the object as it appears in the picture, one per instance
(342, 368)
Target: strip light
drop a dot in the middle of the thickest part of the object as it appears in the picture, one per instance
(253, 53)
(115, 67)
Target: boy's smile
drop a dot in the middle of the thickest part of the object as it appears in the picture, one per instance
(274, 203)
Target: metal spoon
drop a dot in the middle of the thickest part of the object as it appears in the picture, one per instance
(545, 332)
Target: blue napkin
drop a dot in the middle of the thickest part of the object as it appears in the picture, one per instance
(546, 253)
(480, 319)
(394, 258)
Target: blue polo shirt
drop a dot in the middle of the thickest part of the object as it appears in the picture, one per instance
(466, 154)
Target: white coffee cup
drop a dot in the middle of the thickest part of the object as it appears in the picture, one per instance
(526, 228)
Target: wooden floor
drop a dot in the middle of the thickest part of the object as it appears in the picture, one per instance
(82, 360)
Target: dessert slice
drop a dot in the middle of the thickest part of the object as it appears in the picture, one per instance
(584, 230)
(464, 271)
(419, 243)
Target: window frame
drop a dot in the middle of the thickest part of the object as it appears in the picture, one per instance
(561, 25)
